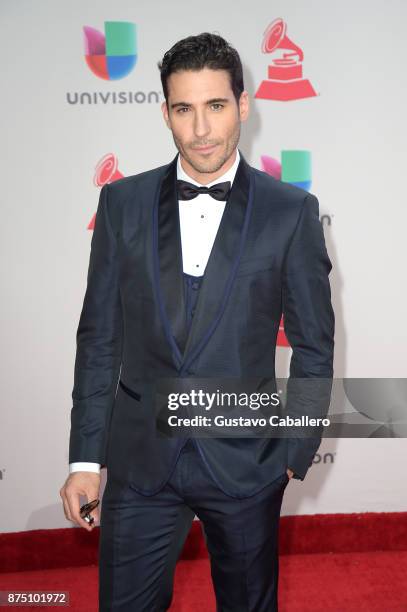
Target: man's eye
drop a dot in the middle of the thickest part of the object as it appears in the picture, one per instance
(218, 105)
(182, 109)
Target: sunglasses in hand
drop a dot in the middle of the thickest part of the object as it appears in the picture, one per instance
(86, 509)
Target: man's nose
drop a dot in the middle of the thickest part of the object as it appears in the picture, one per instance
(201, 125)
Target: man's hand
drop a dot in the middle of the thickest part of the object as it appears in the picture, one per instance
(80, 483)
(290, 473)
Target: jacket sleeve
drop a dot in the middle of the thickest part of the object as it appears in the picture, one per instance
(98, 345)
(309, 324)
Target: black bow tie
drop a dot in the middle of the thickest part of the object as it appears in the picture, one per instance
(188, 191)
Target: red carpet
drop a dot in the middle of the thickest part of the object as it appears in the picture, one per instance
(359, 563)
(343, 582)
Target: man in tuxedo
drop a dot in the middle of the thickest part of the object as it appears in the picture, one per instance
(192, 265)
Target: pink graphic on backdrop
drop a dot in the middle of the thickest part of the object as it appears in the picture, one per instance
(271, 166)
(94, 41)
(285, 81)
(106, 171)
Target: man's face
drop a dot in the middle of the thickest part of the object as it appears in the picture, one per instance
(204, 118)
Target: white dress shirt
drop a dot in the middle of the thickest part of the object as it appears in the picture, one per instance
(199, 223)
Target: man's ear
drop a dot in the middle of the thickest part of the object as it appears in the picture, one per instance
(164, 110)
(244, 105)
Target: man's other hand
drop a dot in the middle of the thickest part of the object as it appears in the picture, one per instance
(86, 484)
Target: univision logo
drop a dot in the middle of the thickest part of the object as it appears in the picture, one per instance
(295, 167)
(112, 55)
(324, 458)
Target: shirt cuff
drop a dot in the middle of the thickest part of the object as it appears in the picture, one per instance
(84, 466)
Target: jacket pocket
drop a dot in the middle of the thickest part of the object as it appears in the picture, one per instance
(256, 264)
(129, 391)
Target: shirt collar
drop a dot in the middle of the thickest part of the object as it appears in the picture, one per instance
(229, 175)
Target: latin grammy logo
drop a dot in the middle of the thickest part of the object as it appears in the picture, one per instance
(282, 339)
(106, 171)
(285, 81)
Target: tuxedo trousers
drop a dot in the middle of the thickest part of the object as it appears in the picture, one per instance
(138, 537)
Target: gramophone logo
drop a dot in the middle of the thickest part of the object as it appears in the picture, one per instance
(294, 168)
(106, 171)
(112, 55)
(285, 81)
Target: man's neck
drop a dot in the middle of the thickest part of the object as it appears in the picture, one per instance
(204, 177)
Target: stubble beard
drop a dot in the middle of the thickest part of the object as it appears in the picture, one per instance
(211, 165)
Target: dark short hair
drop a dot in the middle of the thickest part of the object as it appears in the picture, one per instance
(205, 50)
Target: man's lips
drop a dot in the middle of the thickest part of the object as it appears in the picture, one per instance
(205, 149)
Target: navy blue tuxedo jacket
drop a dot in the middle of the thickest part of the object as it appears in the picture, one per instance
(269, 258)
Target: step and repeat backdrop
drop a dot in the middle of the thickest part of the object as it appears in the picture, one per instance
(327, 86)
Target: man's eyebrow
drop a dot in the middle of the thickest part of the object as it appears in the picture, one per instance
(211, 101)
